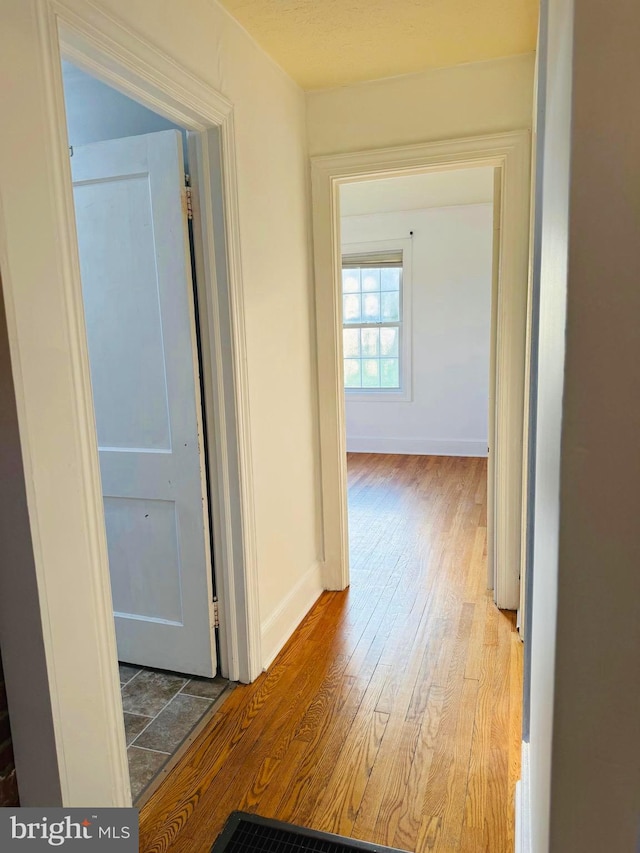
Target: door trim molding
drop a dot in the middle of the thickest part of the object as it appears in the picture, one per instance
(523, 804)
(99, 44)
(43, 297)
(508, 153)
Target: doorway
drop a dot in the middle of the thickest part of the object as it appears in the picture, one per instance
(130, 173)
(417, 279)
(508, 154)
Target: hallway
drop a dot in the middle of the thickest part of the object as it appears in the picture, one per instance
(393, 713)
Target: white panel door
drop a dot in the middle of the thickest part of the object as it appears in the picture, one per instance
(138, 301)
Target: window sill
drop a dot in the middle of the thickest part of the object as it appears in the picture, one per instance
(376, 396)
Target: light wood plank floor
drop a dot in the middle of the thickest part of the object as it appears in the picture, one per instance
(393, 713)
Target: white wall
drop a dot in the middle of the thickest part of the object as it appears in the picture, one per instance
(417, 192)
(451, 315)
(446, 103)
(96, 112)
(585, 701)
(552, 242)
(596, 728)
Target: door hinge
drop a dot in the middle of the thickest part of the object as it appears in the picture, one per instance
(188, 202)
(216, 613)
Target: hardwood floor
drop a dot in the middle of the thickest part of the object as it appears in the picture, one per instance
(393, 713)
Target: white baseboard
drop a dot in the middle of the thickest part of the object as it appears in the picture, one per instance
(278, 627)
(418, 446)
(523, 814)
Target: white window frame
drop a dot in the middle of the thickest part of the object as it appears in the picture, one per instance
(403, 394)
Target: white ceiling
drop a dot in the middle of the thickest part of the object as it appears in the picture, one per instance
(415, 192)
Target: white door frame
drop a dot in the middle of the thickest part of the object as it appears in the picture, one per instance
(509, 154)
(43, 297)
(173, 92)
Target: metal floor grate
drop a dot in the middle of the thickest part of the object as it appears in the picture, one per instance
(248, 833)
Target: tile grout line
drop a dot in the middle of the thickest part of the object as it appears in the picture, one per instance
(157, 751)
(152, 720)
(164, 707)
(124, 683)
(204, 698)
(146, 715)
(158, 714)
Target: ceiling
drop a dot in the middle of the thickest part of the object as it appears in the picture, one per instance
(416, 192)
(325, 43)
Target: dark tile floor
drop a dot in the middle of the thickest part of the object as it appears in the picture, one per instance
(160, 710)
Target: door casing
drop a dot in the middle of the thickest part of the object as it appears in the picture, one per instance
(208, 117)
(509, 154)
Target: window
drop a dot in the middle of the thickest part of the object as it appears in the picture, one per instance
(373, 302)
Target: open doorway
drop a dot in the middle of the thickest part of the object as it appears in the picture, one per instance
(130, 171)
(417, 258)
(508, 155)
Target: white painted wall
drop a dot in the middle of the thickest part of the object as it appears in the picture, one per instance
(96, 112)
(596, 733)
(552, 239)
(451, 315)
(446, 103)
(418, 192)
(585, 633)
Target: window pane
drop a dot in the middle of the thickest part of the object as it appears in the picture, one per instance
(370, 373)
(351, 342)
(389, 373)
(390, 278)
(372, 306)
(352, 376)
(370, 280)
(390, 306)
(351, 308)
(370, 342)
(350, 281)
(371, 352)
(389, 341)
